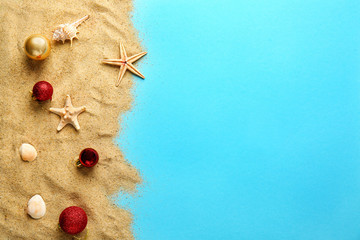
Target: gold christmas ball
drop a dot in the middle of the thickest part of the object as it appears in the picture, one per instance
(37, 47)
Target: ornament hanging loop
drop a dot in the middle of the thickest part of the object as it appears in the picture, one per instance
(78, 163)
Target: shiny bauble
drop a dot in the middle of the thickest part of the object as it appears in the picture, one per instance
(88, 157)
(37, 47)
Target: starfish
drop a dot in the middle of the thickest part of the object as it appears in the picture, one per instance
(125, 63)
(68, 114)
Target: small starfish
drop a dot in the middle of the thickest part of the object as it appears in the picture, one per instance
(68, 114)
(125, 63)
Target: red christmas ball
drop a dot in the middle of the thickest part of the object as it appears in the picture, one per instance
(73, 220)
(89, 157)
(42, 91)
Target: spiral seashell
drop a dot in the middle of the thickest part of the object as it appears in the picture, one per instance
(36, 207)
(68, 31)
(27, 152)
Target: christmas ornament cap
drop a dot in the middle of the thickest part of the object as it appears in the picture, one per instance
(37, 47)
(73, 220)
(42, 91)
(88, 157)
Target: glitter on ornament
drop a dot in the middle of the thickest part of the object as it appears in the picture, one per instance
(42, 91)
(73, 220)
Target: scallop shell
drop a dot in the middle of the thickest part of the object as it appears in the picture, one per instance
(68, 30)
(36, 207)
(27, 152)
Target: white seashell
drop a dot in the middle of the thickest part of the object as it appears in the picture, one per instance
(68, 30)
(36, 207)
(27, 152)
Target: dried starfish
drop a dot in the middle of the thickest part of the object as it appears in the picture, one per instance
(125, 63)
(68, 114)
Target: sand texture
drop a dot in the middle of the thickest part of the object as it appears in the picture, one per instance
(76, 71)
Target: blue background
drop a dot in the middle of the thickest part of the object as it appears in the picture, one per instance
(247, 124)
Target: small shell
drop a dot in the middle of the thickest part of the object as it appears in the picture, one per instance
(27, 152)
(36, 207)
(68, 31)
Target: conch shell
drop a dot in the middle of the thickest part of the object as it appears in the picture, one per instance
(68, 30)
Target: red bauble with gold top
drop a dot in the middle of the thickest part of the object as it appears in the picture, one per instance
(73, 220)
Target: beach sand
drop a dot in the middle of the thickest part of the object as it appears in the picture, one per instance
(76, 71)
